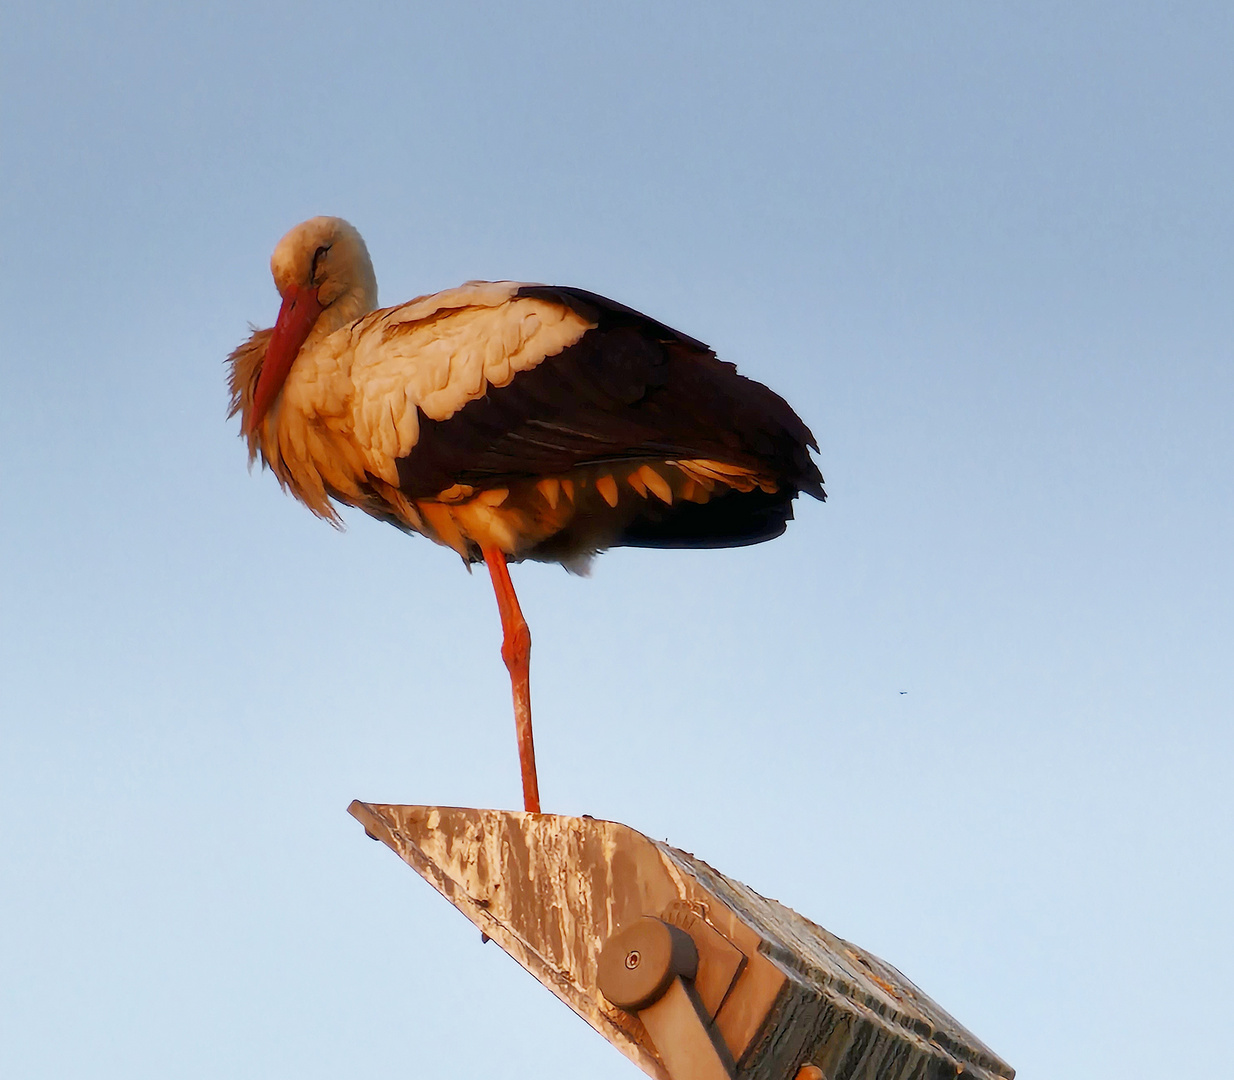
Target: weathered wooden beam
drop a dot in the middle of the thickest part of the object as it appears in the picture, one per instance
(778, 991)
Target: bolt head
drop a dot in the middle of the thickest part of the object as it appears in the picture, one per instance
(633, 958)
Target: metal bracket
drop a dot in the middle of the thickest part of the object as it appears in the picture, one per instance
(648, 968)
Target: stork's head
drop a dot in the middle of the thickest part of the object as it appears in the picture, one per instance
(323, 273)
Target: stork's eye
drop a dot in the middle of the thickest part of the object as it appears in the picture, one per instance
(318, 255)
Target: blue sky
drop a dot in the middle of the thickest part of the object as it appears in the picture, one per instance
(986, 252)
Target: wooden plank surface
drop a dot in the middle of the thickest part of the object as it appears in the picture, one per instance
(550, 890)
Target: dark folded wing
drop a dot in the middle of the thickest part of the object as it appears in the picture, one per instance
(632, 388)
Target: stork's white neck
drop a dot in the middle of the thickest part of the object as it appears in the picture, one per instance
(353, 304)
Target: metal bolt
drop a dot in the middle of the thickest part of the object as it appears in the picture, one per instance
(633, 958)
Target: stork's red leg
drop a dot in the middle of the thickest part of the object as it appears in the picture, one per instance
(516, 652)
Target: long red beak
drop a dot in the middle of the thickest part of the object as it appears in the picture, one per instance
(296, 318)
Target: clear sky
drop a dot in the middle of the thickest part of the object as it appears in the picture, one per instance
(973, 714)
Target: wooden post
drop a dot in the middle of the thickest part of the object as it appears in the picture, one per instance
(778, 996)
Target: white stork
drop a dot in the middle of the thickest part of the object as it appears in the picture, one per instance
(509, 421)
